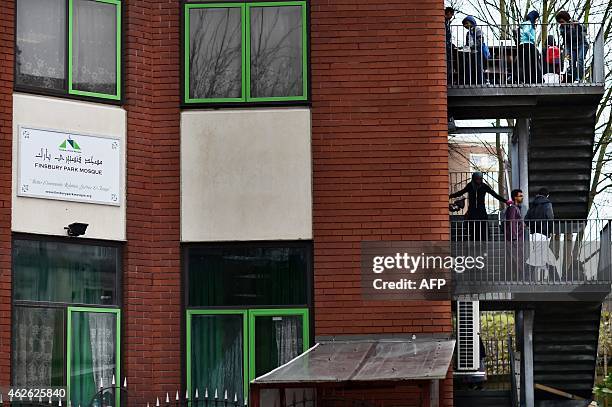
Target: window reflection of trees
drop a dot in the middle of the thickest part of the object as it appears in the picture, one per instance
(276, 51)
(215, 56)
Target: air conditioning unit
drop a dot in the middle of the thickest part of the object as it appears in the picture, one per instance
(468, 335)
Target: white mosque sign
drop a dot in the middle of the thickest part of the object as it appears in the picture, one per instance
(69, 167)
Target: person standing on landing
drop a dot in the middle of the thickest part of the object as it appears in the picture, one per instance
(514, 233)
(477, 190)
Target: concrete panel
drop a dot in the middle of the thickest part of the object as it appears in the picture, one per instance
(246, 175)
(49, 217)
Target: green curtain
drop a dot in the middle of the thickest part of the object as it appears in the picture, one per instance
(237, 275)
(93, 355)
(217, 355)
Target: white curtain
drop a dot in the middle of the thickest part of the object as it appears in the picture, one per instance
(94, 46)
(34, 341)
(41, 36)
(289, 341)
(102, 333)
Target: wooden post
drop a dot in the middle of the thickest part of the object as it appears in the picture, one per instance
(434, 393)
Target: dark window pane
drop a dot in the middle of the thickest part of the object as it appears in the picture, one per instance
(38, 347)
(94, 47)
(278, 339)
(93, 357)
(41, 36)
(215, 58)
(217, 354)
(65, 272)
(247, 276)
(276, 51)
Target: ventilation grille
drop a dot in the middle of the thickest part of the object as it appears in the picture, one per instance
(468, 328)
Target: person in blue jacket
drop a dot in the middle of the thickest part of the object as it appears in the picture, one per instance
(529, 63)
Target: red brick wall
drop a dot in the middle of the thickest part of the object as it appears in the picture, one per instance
(7, 44)
(152, 309)
(380, 153)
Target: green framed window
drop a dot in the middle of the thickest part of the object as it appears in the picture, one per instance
(66, 316)
(245, 52)
(247, 312)
(226, 349)
(80, 57)
(93, 354)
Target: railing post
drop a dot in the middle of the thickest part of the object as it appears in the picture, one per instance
(598, 58)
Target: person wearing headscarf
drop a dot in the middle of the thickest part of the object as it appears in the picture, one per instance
(528, 55)
(474, 40)
(477, 190)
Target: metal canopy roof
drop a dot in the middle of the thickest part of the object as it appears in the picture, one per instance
(367, 360)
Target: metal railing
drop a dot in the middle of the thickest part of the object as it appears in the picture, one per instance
(495, 329)
(514, 375)
(558, 55)
(536, 252)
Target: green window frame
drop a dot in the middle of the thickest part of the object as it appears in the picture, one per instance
(69, 345)
(249, 331)
(72, 46)
(245, 13)
(56, 313)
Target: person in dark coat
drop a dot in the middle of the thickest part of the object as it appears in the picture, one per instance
(477, 190)
(575, 43)
(539, 220)
(539, 213)
(475, 63)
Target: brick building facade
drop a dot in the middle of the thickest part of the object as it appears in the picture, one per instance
(368, 160)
